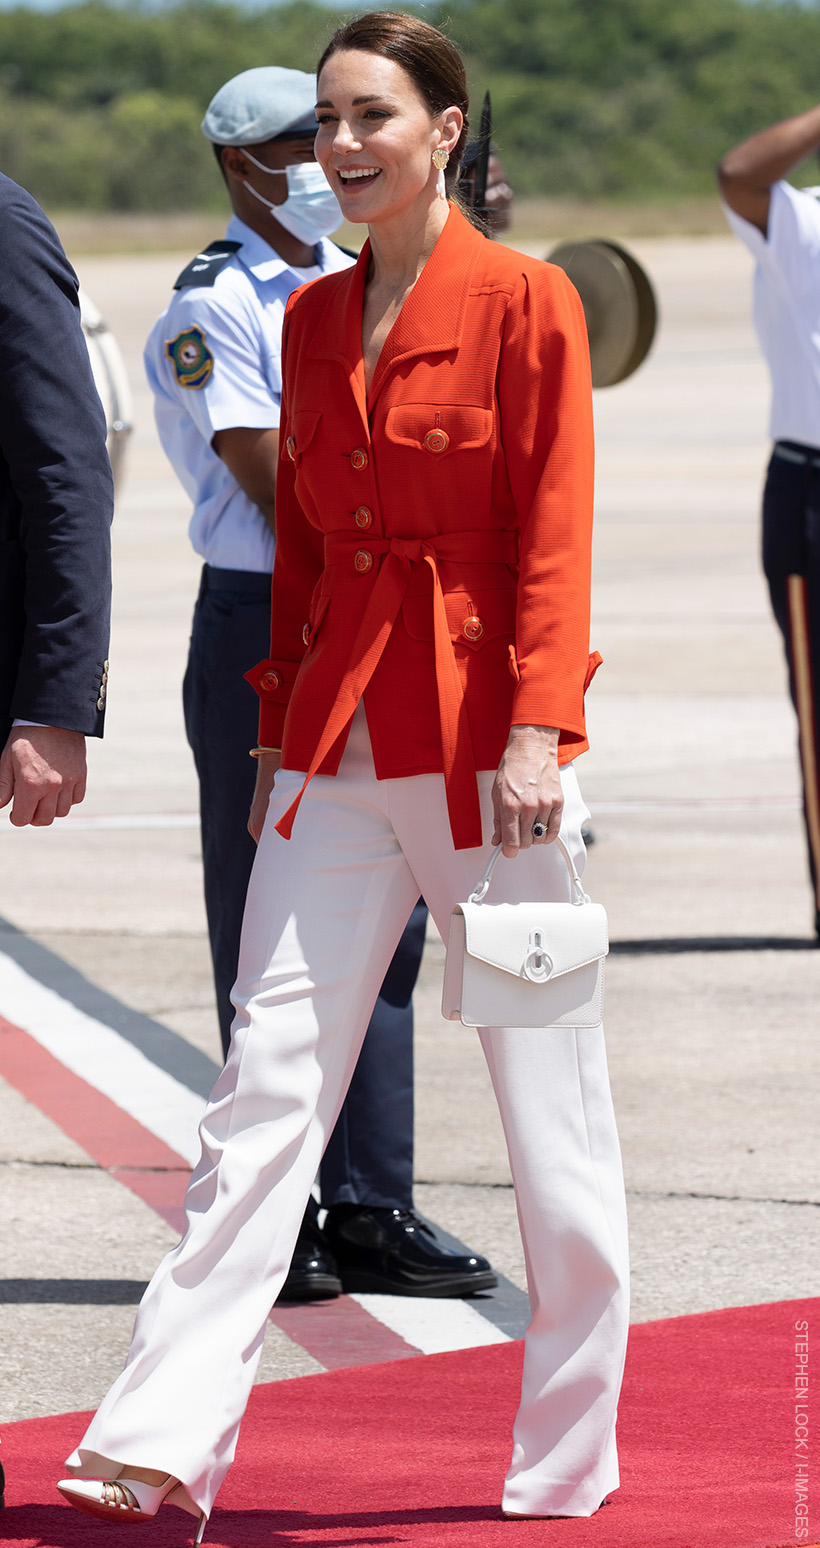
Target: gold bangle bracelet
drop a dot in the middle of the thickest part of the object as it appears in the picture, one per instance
(256, 752)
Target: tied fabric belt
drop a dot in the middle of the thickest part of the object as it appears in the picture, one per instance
(399, 556)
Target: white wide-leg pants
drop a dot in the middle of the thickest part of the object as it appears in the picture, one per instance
(325, 911)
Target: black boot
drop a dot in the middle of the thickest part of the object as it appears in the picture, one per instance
(313, 1275)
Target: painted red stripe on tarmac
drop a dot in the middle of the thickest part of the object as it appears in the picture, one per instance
(163, 1191)
(337, 1333)
(110, 1135)
(341, 1333)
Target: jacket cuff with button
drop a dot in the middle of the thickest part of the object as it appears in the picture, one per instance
(273, 681)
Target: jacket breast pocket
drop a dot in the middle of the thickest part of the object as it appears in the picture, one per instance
(439, 429)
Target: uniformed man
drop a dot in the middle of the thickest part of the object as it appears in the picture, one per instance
(780, 225)
(213, 362)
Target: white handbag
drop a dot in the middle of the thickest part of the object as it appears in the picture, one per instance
(526, 964)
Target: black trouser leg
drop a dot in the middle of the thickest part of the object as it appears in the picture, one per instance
(369, 1159)
(791, 561)
(231, 632)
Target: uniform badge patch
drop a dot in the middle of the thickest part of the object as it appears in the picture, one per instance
(190, 357)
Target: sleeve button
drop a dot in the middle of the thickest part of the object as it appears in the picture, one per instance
(290, 448)
(270, 680)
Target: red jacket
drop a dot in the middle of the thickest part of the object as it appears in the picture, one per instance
(433, 541)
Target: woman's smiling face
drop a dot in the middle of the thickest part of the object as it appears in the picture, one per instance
(376, 135)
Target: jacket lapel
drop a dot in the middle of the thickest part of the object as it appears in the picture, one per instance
(431, 322)
(338, 331)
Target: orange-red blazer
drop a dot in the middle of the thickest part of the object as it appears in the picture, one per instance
(433, 538)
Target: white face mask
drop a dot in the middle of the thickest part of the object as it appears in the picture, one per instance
(311, 209)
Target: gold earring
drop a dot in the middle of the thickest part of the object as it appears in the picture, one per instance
(440, 160)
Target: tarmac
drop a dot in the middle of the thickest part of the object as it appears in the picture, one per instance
(699, 856)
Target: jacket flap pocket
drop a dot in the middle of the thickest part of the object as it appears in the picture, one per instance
(438, 428)
(537, 941)
(301, 430)
(473, 617)
(318, 608)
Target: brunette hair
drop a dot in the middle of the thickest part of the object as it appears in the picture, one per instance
(433, 63)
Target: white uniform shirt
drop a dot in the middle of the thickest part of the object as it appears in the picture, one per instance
(225, 372)
(787, 308)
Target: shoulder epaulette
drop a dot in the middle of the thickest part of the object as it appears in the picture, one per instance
(203, 269)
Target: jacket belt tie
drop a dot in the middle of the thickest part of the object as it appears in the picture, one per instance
(399, 556)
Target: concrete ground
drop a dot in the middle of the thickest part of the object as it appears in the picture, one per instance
(713, 985)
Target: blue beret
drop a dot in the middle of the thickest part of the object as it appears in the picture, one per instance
(259, 104)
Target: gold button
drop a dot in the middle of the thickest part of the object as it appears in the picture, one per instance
(363, 516)
(363, 561)
(473, 629)
(437, 440)
(306, 634)
(290, 447)
(270, 680)
(358, 459)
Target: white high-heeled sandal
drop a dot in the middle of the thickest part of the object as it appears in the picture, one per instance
(127, 1499)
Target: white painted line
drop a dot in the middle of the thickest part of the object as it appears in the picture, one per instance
(113, 1066)
(433, 1326)
(103, 1059)
(135, 822)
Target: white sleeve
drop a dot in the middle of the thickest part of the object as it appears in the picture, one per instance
(790, 252)
(235, 380)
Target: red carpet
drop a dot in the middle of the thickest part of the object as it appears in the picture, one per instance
(415, 1451)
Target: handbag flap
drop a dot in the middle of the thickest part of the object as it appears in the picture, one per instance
(537, 941)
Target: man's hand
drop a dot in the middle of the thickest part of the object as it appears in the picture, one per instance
(42, 769)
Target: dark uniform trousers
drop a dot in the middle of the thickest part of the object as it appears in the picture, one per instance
(369, 1158)
(791, 561)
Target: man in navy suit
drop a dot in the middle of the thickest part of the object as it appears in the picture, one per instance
(56, 502)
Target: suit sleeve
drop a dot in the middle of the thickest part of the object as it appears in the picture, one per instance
(297, 567)
(545, 400)
(57, 486)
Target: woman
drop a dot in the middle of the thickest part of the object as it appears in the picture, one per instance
(425, 687)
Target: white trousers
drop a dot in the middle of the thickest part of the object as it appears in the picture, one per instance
(324, 914)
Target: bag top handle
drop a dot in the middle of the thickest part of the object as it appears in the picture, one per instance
(482, 889)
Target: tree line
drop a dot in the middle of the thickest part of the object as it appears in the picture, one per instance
(100, 105)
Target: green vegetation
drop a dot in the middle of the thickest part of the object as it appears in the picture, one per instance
(596, 99)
